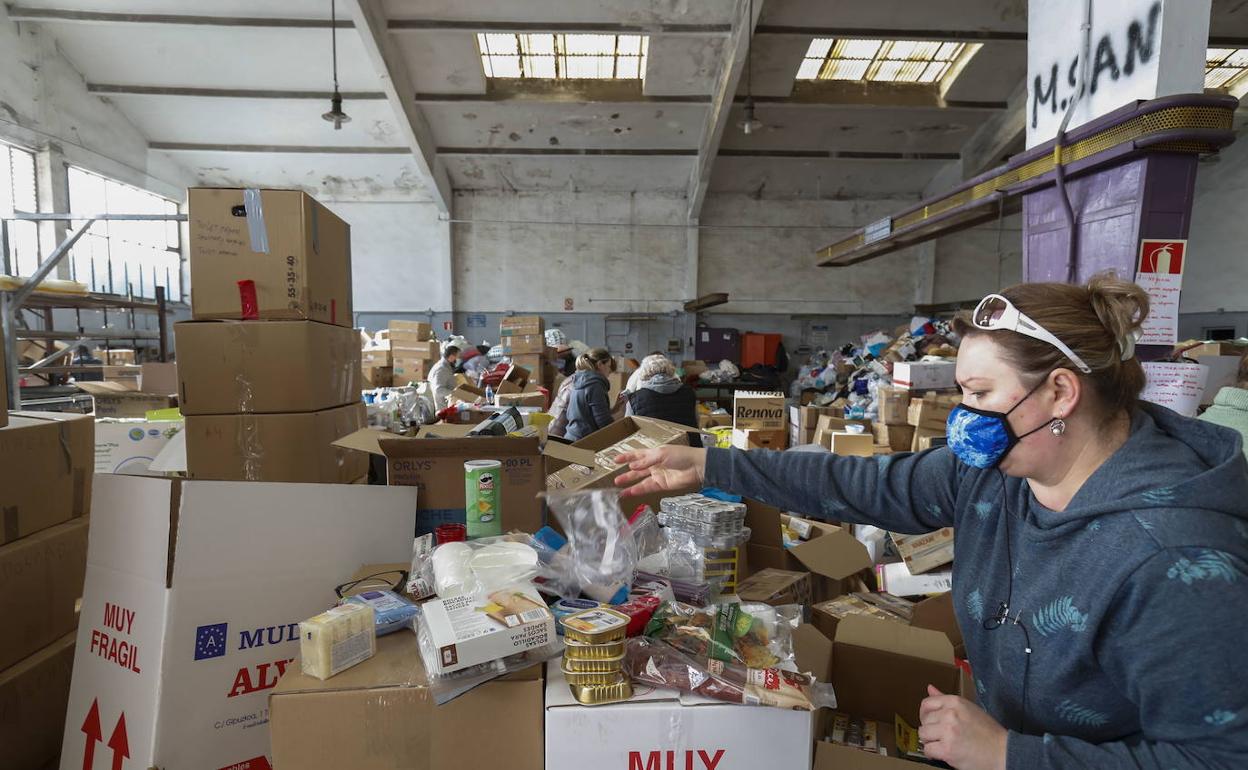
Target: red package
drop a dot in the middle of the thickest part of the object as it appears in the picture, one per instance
(639, 610)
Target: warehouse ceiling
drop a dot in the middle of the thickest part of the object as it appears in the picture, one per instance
(236, 97)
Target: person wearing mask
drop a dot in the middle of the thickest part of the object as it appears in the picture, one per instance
(1102, 541)
(660, 395)
(1230, 405)
(589, 406)
(442, 376)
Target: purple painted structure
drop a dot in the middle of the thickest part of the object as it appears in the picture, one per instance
(1115, 206)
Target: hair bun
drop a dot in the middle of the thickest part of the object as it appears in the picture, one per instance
(1121, 307)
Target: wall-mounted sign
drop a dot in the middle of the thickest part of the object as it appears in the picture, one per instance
(1160, 273)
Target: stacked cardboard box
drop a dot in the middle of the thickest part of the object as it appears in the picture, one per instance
(413, 351)
(269, 370)
(758, 420)
(929, 415)
(46, 462)
(523, 339)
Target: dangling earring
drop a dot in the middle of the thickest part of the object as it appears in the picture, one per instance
(1058, 427)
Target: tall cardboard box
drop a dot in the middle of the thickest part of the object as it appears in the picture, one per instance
(436, 466)
(42, 578)
(296, 251)
(203, 584)
(295, 447)
(400, 725)
(33, 695)
(266, 367)
(758, 411)
(415, 331)
(45, 478)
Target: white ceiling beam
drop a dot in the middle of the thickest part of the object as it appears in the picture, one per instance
(396, 83)
(721, 106)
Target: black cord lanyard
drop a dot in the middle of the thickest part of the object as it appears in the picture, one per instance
(1002, 616)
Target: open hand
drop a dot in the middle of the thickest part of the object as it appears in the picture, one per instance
(956, 731)
(664, 469)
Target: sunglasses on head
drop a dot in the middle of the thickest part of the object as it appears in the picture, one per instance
(995, 313)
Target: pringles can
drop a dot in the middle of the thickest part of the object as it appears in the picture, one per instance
(482, 501)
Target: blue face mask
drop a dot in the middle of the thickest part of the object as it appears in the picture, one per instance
(981, 438)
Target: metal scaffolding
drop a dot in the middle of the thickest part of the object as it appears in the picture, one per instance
(28, 297)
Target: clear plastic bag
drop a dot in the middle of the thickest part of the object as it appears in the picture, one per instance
(751, 635)
(659, 664)
(601, 554)
(458, 568)
(447, 687)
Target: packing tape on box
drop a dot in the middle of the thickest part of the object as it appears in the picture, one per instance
(256, 228)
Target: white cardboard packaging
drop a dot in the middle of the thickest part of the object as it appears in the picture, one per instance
(193, 598)
(662, 729)
(471, 629)
(925, 375)
(130, 446)
(896, 579)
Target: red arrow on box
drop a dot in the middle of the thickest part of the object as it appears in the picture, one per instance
(91, 726)
(119, 743)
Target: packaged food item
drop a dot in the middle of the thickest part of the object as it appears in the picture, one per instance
(420, 583)
(752, 635)
(600, 694)
(565, 607)
(657, 663)
(390, 610)
(482, 501)
(595, 626)
(855, 733)
(463, 631)
(596, 665)
(336, 640)
(639, 610)
(576, 677)
(581, 651)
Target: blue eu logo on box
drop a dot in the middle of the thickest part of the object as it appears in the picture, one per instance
(210, 641)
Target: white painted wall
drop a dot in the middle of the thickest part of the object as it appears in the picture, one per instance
(609, 253)
(401, 255)
(978, 261)
(1215, 277)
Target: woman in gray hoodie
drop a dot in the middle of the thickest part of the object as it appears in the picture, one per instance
(1102, 542)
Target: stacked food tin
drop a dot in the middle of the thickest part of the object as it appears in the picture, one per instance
(703, 516)
(593, 656)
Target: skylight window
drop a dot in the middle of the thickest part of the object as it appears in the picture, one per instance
(563, 57)
(879, 61)
(1223, 66)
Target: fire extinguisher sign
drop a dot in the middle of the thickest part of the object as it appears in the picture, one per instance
(1160, 273)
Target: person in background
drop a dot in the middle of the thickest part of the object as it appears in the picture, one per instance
(634, 379)
(442, 376)
(589, 407)
(1230, 406)
(660, 395)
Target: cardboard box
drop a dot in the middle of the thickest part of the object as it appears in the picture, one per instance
(33, 695)
(850, 444)
(758, 411)
(521, 325)
(158, 378)
(662, 729)
(468, 394)
(715, 420)
(436, 466)
(897, 580)
(893, 405)
(759, 439)
(376, 376)
(1221, 348)
(1223, 372)
(428, 350)
(526, 344)
(694, 368)
(925, 438)
(129, 446)
(4, 393)
(114, 399)
(45, 478)
(806, 418)
(407, 370)
(930, 412)
(415, 330)
(531, 398)
(296, 251)
(827, 424)
(881, 669)
(115, 357)
(42, 578)
(776, 587)
(798, 437)
(831, 555)
(376, 357)
(898, 438)
(925, 375)
(266, 368)
(827, 615)
(924, 553)
(126, 375)
(275, 447)
(764, 523)
(204, 584)
(400, 727)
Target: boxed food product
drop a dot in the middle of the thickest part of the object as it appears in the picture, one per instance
(925, 375)
(897, 580)
(42, 582)
(275, 447)
(40, 486)
(825, 616)
(776, 586)
(758, 411)
(401, 725)
(471, 629)
(521, 325)
(266, 368)
(924, 553)
(130, 446)
(759, 439)
(336, 639)
(268, 254)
